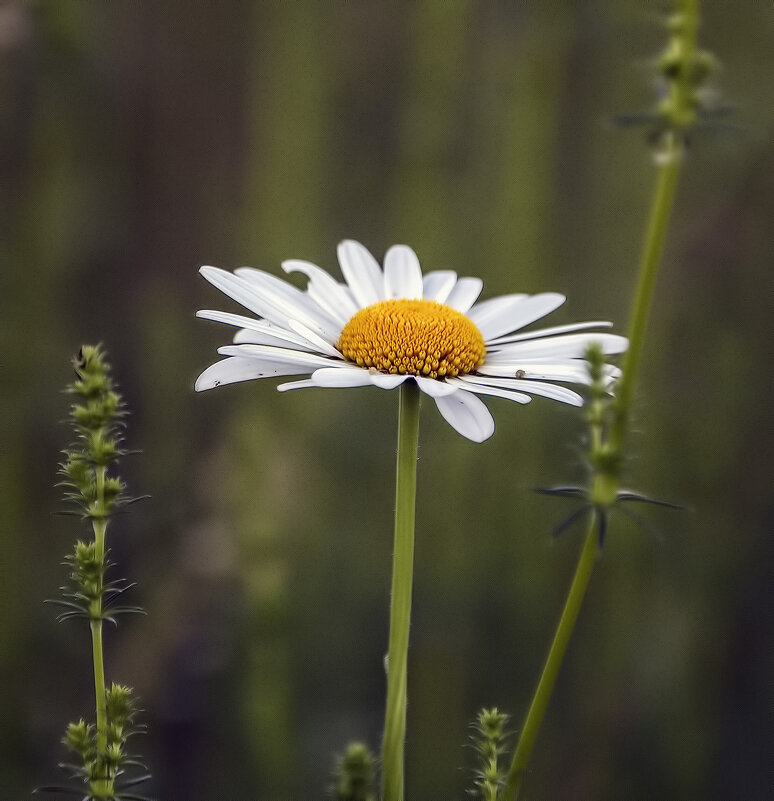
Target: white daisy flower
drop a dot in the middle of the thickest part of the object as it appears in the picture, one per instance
(383, 327)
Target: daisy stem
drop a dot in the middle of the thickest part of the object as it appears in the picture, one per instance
(554, 660)
(400, 606)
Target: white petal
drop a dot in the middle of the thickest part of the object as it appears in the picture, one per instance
(239, 320)
(512, 312)
(324, 289)
(466, 414)
(438, 284)
(557, 393)
(229, 371)
(402, 274)
(498, 392)
(553, 391)
(388, 380)
(362, 272)
(249, 336)
(241, 292)
(575, 370)
(433, 387)
(291, 302)
(259, 332)
(311, 337)
(547, 332)
(341, 377)
(484, 307)
(570, 346)
(305, 383)
(285, 356)
(464, 294)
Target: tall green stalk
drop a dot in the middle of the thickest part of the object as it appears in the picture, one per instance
(99, 525)
(606, 484)
(400, 606)
(680, 66)
(97, 417)
(661, 210)
(554, 660)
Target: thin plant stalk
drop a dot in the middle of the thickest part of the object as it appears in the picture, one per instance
(554, 660)
(100, 527)
(606, 485)
(96, 416)
(661, 211)
(400, 606)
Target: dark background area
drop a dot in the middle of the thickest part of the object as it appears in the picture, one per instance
(140, 140)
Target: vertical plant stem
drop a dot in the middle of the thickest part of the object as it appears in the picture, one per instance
(400, 606)
(100, 527)
(658, 223)
(554, 660)
(606, 485)
(99, 686)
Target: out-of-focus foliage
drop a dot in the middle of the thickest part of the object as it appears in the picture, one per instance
(140, 140)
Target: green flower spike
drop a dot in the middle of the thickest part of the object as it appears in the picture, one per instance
(97, 416)
(489, 742)
(354, 775)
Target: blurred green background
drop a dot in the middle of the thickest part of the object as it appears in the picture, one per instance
(142, 139)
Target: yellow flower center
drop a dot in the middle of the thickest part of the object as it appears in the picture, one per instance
(412, 337)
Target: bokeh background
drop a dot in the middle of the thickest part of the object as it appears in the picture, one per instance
(142, 139)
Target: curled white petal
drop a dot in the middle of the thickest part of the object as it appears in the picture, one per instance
(435, 388)
(324, 289)
(466, 414)
(388, 380)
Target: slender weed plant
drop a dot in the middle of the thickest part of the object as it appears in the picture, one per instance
(105, 770)
(682, 71)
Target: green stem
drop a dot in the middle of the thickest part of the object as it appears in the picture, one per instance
(103, 783)
(99, 686)
(605, 486)
(400, 607)
(554, 660)
(658, 223)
